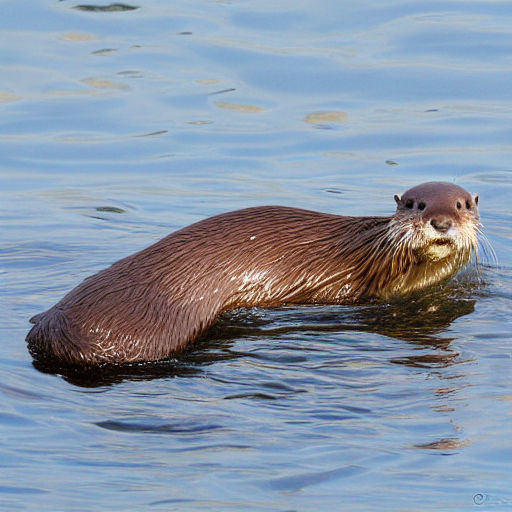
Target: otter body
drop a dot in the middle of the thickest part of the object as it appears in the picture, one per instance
(154, 303)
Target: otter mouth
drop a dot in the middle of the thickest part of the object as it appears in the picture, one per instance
(442, 241)
(439, 249)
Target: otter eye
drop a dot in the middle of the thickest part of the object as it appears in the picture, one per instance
(409, 203)
(468, 205)
(421, 206)
(459, 205)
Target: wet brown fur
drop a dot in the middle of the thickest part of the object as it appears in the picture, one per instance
(154, 303)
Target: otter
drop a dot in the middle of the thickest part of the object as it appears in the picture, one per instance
(155, 303)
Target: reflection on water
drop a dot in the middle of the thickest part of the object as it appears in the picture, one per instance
(325, 119)
(105, 8)
(445, 445)
(99, 83)
(250, 109)
(123, 122)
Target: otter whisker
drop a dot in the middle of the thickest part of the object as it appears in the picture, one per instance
(485, 246)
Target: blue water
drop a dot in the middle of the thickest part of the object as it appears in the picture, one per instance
(120, 126)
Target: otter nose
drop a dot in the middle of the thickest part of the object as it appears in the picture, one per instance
(441, 224)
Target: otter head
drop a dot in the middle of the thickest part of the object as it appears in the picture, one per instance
(440, 221)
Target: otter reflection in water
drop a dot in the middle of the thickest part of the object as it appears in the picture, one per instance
(155, 303)
(419, 320)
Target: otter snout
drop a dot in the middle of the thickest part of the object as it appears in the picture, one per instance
(441, 224)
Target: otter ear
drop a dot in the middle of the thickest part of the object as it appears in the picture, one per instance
(398, 200)
(475, 198)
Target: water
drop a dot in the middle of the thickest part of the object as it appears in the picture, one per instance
(120, 126)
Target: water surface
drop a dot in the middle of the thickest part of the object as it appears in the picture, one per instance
(121, 124)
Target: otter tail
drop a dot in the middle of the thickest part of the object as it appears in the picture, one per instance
(53, 337)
